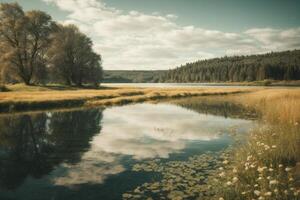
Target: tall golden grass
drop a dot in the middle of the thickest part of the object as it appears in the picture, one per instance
(277, 105)
(266, 166)
(29, 97)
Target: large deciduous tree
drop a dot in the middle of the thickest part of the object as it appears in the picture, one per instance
(72, 57)
(25, 38)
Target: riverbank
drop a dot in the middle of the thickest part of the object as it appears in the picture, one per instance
(24, 98)
(268, 165)
(265, 167)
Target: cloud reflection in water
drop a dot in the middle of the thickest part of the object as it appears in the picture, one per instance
(142, 131)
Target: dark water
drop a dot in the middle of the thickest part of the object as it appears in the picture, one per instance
(88, 154)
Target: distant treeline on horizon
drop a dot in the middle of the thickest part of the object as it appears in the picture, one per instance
(272, 66)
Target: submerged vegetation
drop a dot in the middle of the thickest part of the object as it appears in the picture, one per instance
(266, 166)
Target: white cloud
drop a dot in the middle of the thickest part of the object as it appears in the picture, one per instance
(135, 40)
(276, 39)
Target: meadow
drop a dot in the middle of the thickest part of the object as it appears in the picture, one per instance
(21, 97)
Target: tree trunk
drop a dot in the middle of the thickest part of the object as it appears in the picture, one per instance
(68, 82)
(27, 81)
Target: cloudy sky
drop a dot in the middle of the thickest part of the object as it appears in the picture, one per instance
(163, 34)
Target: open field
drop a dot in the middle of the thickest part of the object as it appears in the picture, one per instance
(22, 97)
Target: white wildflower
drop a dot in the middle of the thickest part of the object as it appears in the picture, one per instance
(225, 162)
(249, 157)
(229, 183)
(287, 169)
(261, 169)
(268, 193)
(235, 179)
(256, 192)
(273, 182)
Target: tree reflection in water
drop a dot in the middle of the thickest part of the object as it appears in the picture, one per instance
(32, 145)
(89, 152)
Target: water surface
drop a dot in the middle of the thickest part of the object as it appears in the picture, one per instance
(88, 154)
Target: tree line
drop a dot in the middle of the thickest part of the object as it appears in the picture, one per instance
(276, 66)
(34, 49)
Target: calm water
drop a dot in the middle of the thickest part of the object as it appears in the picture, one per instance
(176, 85)
(88, 154)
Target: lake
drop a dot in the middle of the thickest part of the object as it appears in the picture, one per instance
(90, 153)
(177, 85)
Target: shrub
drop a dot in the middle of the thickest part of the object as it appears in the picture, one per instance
(3, 88)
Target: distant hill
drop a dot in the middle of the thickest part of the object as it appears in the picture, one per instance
(275, 66)
(126, 76)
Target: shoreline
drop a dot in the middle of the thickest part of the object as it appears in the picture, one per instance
(264, 83)
(32, 98)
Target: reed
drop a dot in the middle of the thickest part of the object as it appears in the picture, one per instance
(22, 98)
(267, 166)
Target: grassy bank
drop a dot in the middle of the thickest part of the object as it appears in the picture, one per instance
(22, 98)
(265, 166)
(268, 165)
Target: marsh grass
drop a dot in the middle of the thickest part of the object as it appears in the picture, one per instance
(22, 98)
(265, 167)
(262, 167)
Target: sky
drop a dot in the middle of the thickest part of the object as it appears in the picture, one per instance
(164, 34)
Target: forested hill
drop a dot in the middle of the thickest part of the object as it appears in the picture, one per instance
(132, 76)
(277, 66)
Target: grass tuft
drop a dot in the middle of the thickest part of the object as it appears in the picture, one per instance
(266, 167)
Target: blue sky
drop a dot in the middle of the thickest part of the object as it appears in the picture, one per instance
(162, 34)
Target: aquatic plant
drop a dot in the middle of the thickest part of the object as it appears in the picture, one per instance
(265, 167)
(180, 179)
